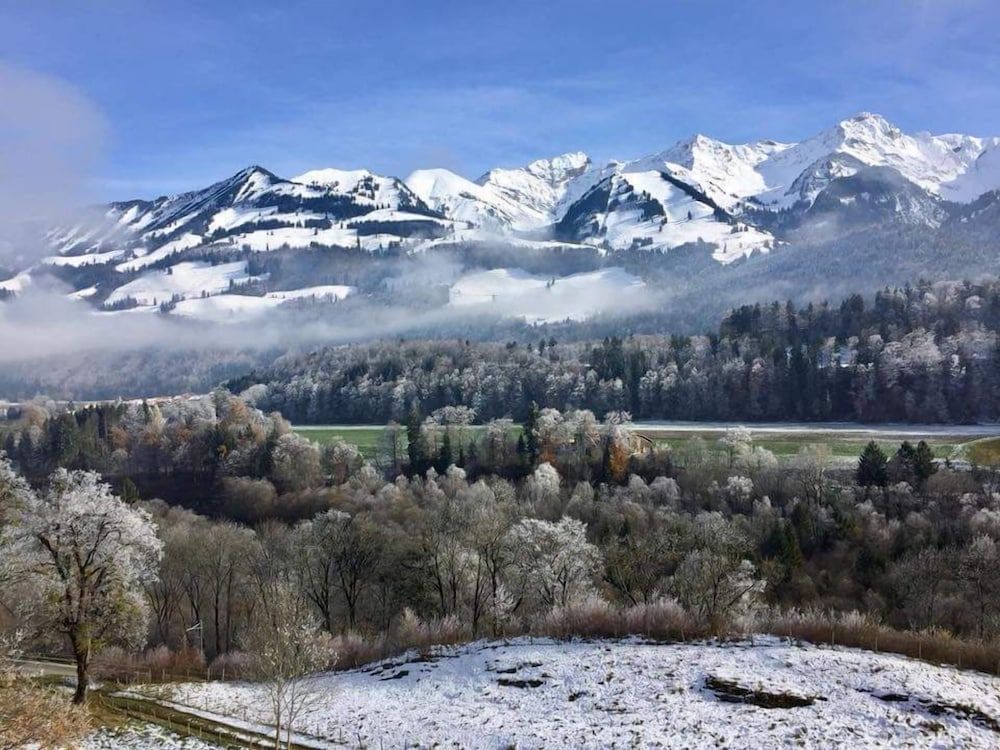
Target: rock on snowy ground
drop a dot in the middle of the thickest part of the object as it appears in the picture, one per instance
(137, 736)
(541, 693)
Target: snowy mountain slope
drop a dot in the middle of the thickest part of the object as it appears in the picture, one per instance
(724, 172)
(236, 209)
(653, 209)
(475, 205)
(541, 693)
(946, 166)
(502, 199)
(540, 186)
(238, 308)
(862, 171)
(189, 279)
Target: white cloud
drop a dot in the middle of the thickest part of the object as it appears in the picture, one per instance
(51, 139)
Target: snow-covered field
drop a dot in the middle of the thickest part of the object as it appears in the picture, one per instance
(227, 308)
(189, 279)
(517, 293)
(533, 694)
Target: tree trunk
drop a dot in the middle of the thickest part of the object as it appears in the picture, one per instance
(82, 656)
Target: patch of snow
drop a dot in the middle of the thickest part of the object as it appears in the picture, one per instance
(631, 694)
(16, 283)
(232, 308)
(188, 279)
(90, 291)
(184, 242)
(513, 292)
(89, 259)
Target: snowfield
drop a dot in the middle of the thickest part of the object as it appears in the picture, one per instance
(190, 279)
(228, 308)
(517, 293)
(541, 693)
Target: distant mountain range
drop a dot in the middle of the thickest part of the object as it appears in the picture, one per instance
(196, 253)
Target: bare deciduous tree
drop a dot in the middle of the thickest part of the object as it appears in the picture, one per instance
(286, 646)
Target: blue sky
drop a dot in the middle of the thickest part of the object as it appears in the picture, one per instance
(192, 91)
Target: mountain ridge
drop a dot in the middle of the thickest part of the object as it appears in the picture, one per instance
(735, 199)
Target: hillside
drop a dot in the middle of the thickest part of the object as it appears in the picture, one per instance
(542, 693)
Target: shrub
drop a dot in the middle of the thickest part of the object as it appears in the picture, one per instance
(858, 630)
(663, 620)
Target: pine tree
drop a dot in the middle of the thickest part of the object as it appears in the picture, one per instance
(873, 468)
(923, 463)
(444, 456)
(905, 461)
(413, 444)
(529, 434)
(522, 451)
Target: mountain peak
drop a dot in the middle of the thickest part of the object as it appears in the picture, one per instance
(559, 169)
(332, 176)
(867, 125)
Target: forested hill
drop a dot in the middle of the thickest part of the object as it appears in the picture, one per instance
(924, 353)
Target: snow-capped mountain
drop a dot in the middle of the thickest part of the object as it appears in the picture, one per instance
(742, 198)
(737, 199)
(252, 209)
(502, 199)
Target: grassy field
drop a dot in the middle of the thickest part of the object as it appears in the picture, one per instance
(367, 437)
(790, 446)
(984, 452)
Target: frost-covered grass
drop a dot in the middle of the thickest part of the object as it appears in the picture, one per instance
(545, 693)
(136, 736)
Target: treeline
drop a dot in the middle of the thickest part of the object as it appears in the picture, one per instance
(926, 353)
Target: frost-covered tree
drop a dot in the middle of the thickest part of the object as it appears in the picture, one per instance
(341, 461)
(91, 555)
(15, 496)
(297, 464)
(977, 572)
(715, 581)
(543, 485)
(736, 442)
(554, 563)
(339, 559)
(715, 587)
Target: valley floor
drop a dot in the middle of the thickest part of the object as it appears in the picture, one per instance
(541, 693)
